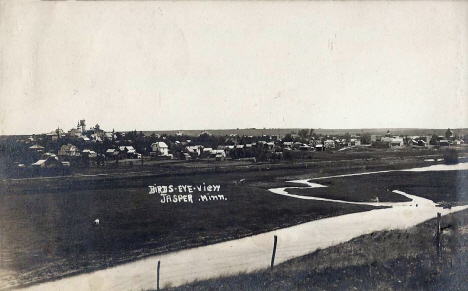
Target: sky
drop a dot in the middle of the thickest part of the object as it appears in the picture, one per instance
(219, 65)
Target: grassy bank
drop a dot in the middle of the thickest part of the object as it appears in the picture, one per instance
(388, 260)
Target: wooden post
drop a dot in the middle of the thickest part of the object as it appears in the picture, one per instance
(438, 234)
(274, 252)
(159, 267)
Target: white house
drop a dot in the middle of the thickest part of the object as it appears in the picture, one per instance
(355, 141)
(396, 142)
(161, 148)
(329, 143)
(68, 150)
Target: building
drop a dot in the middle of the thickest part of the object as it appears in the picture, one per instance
(51, 136)
(48, 160)
(194, 151)
(68, 150)
(329, 144)
(74, 132)
(444, 143)
(159, 148)
(396, 142)
(36, 148)
(319, 147)
(112, 153)
(220, 156)
(355, 142)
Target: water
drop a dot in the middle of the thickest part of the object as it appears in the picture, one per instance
(253, 253)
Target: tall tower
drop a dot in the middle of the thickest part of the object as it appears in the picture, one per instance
(83, 126)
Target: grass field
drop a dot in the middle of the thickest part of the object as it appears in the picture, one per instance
(48, 230)
(450, 186)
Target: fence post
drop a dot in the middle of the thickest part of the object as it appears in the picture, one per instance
(274, 252)
(438, 235)
(159, 267)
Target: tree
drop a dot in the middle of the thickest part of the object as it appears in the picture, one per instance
(448, 133)
(303, 133)
(347, 136)
(287, 138)
(366, 138)
(311, 133)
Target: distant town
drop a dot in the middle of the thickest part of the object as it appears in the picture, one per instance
(85, 147)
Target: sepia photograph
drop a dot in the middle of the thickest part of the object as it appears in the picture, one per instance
(233, 145)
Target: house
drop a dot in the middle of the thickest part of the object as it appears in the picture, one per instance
(375, 138)
(89, 153)
(329, 143)
(68, 150)
(74, 132)
(36, 148)
(304, 147)
(194, 151)
(319, 147)
(214, 153)
(112, 153)
(207, 152)
(396, 142)
(109, 135)
(387, 139)
(159, 148)
(422, 143)
(220, 156)
(131, 152)
(270, 145)
(84, 138)
(275, 137)
(51, 136)
(355, 142)
(48, 160)
(444, 143)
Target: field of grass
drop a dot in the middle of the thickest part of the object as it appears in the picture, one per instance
(388, 260)
(449, 186)
(47, 224)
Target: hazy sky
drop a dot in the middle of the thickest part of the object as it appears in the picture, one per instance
(195, 65)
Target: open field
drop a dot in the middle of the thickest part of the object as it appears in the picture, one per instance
(47, 223)
(437, 186)
(387, 260)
